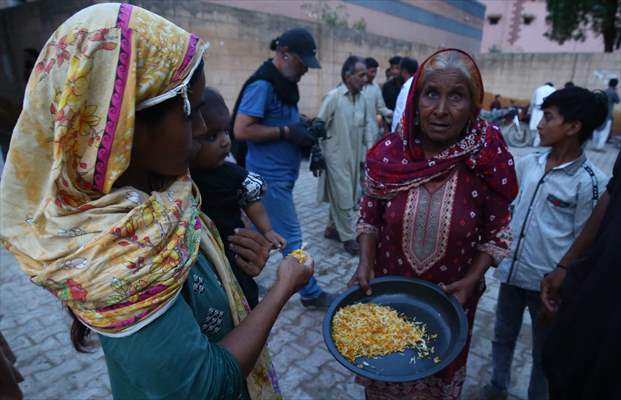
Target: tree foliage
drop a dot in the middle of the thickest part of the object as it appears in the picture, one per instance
(334, 17)
(571, 19)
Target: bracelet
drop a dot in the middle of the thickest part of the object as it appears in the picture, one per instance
(561, 266)
(281, 130)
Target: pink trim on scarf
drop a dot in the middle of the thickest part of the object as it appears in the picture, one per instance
(130, 321)
(188, 57)
(146, 294)
(125, 14)
(114, 111)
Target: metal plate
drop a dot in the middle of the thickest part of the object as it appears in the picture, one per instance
(415, 298)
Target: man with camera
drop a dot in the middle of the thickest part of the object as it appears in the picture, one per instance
(350, 125)
(266, 120)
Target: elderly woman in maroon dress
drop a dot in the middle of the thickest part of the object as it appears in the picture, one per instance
(437, 200)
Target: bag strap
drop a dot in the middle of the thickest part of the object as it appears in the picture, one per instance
(589, 170)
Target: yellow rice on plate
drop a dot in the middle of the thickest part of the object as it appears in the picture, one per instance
(372, 330)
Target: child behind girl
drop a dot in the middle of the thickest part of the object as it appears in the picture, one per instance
(558, 190)
(227, 188)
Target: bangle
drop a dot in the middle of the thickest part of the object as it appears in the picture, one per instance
(561, 266)
(281, 130)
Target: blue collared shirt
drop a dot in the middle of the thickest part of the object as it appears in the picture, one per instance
(549, 213)
(275, 160)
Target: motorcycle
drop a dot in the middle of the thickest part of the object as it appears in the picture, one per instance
(507, 119)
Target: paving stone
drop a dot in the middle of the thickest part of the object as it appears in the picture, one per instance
(39, 351)
(289, 381)
(8, 322)
(349, 389)
(30, 387)
(288, 355)
(60, 372)
(480, 346)
(277, 342)
(41, 365)
(20, 343)
(299, 393)
(312, 338)
(314, 361)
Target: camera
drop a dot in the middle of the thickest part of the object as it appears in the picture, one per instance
(317, 128)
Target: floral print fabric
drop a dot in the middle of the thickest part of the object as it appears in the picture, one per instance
(115, 257)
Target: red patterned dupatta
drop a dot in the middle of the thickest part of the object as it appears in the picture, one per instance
(397, 162)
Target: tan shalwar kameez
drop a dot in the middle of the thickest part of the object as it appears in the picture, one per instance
(349, 123)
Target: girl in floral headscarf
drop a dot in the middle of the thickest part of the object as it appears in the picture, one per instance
(97, 206)
(437, 202)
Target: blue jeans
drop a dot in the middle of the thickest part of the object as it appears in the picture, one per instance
(509, 311)
(278, 202)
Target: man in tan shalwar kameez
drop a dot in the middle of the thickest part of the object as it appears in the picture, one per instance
(349, 123)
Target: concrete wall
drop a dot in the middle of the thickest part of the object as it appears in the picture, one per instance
(436, 23)
(516, 75)
(239, 43)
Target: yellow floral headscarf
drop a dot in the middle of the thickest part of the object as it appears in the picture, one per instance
(117, 257)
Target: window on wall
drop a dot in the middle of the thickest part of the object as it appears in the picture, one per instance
(493, 19)
(528, 19)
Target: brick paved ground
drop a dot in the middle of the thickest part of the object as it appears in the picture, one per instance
(36, 327)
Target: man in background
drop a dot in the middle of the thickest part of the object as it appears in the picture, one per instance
(350, 122)
(266, 116)
(391, 88)
(600, 136)
(407, 70)
(535, 109)
(373, 93)
(496, 103)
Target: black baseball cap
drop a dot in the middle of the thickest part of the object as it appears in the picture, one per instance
(299, 41)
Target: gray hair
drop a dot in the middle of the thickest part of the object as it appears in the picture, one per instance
(454, 59)
(349, 65)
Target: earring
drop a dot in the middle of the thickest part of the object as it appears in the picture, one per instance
(468, 126)
(285, 57)
(187, 108)
(416, 120)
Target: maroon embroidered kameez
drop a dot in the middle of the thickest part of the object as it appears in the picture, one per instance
(431, 217)
(434, 235)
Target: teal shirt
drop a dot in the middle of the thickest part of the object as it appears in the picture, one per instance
(177, 355)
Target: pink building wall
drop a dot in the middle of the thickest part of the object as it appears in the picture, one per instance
(378, 22)
(511, 34)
